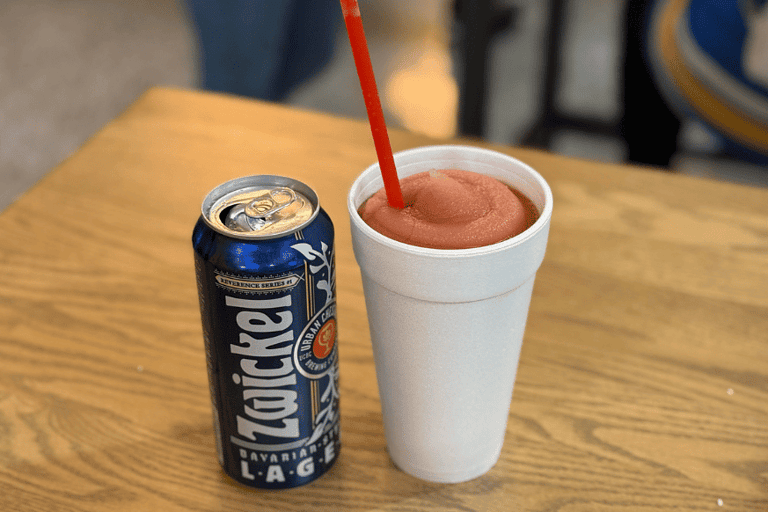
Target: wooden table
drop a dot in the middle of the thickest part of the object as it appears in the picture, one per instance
(643, 382)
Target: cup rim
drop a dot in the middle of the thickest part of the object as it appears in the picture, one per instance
(540, 224)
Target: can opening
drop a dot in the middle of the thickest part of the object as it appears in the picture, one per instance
(261, 211)
(225, 213)
(260, 207)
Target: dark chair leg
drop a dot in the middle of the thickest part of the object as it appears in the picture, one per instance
(540, 134)
(479, 21)
(649, 128)
(551, 118)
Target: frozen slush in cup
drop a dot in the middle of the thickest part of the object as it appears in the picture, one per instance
(447, 324)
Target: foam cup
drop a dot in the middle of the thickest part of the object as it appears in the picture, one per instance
(447, 325)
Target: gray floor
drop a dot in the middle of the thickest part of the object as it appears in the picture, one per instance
(68, 66)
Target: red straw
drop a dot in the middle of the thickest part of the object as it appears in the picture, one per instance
(372, 102)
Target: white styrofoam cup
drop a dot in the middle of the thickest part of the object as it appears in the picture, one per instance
(447, 325)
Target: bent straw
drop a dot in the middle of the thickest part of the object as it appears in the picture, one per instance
(357, 40)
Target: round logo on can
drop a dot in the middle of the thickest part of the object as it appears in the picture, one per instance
(314, 354)
(325, 339)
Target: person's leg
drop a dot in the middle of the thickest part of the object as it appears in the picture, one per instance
(311, 45)
(261, 33)
(214, 45)
(263, 48)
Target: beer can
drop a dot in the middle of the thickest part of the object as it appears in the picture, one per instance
(264, 259)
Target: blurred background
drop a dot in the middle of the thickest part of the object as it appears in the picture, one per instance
(69, 66)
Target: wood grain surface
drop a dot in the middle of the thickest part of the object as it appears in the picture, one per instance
(643, 382)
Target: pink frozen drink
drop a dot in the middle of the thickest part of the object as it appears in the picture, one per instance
(451, 209)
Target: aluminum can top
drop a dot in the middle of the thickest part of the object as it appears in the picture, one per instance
(260, 207)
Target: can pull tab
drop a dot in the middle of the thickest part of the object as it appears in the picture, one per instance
(259, 212)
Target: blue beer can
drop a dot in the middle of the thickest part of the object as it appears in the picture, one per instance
(264, 259)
